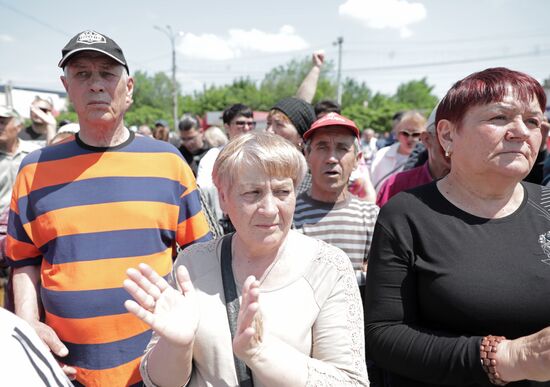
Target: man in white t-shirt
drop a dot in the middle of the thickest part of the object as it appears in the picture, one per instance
(237, 119)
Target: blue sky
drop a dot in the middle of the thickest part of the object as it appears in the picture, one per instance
(386, 42)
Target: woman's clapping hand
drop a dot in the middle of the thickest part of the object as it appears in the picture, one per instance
(526, 357)
(172, 314)
(250, 327)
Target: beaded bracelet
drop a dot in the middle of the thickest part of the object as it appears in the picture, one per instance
(487, 353)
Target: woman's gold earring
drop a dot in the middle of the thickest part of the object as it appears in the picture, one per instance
(447, 151)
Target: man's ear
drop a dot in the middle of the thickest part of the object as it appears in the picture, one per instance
(19, 127)
(307, 152)
(64, 82)
(129, 90)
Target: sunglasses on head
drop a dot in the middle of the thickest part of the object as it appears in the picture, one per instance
(409, 134)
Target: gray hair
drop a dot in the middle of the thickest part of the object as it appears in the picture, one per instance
(273, 154)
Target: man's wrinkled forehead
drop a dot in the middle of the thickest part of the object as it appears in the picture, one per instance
(343, 133)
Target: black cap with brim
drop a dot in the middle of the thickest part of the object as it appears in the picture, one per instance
(92, 41)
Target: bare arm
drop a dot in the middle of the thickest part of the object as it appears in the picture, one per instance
(26, 282)
(308, 87)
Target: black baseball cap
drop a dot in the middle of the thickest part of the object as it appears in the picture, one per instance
(92, 41)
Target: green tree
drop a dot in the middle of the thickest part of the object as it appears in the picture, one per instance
(355, 93)
(68, 115)
(153, 98)
(283, 81)
(154, 91)
(145, 115)
(416, 95)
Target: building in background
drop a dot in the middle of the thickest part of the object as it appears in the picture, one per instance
(20, 98)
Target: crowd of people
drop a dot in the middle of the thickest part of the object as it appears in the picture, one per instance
(311, 253)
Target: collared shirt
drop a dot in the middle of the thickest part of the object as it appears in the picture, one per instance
(9, 164)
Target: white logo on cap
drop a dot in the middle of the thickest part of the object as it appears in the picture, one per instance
(91, 37)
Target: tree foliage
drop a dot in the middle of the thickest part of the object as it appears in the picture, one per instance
(355, 93)
(153, 96)
(416, 95)
(154, 91)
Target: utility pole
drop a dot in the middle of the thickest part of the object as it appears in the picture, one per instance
(172, 36)
(8, 94)
(338, 43)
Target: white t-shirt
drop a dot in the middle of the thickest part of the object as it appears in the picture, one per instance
(24, 358)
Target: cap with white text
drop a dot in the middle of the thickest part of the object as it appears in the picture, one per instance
(92, 41)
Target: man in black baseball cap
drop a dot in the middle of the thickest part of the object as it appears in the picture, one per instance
(98, 203)
(92, 41)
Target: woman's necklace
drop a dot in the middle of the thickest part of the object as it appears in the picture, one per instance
(267, 271)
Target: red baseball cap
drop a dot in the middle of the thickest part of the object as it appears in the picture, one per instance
(332, 119)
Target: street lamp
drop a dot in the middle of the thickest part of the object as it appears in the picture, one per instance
(172, 36)
(338, 43)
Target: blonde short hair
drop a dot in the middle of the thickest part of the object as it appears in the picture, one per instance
(215, 136)
(414, 116)
(276, 113)
(274, 155)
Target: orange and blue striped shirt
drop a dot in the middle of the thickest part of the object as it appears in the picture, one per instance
(88, 214)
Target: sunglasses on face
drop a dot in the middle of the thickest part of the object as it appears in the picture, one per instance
(415, 135)
(243, 123)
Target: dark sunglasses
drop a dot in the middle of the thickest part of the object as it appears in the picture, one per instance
(415, 135)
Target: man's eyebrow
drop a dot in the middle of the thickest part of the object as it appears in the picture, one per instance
(321, 142)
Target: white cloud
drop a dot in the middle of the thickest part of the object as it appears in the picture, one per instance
(209, 46)
(6, 38)
(206, 46)
(380, 14)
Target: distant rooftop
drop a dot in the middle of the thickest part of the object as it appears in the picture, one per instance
(62, 94)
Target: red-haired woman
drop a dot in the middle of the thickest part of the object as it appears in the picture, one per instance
(459, 269)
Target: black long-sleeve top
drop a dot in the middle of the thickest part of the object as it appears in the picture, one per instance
(439, 279)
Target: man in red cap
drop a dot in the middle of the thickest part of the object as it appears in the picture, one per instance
(328, 211)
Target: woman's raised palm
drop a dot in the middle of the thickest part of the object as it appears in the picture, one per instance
(171, 313)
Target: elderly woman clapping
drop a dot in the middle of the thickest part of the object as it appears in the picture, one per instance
(459, 269)
(300, 320)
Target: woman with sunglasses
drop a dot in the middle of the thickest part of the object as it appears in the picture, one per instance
(391, 159)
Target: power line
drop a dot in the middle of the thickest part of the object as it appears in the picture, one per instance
(446, 63)
(476, 39)
(35, 19)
